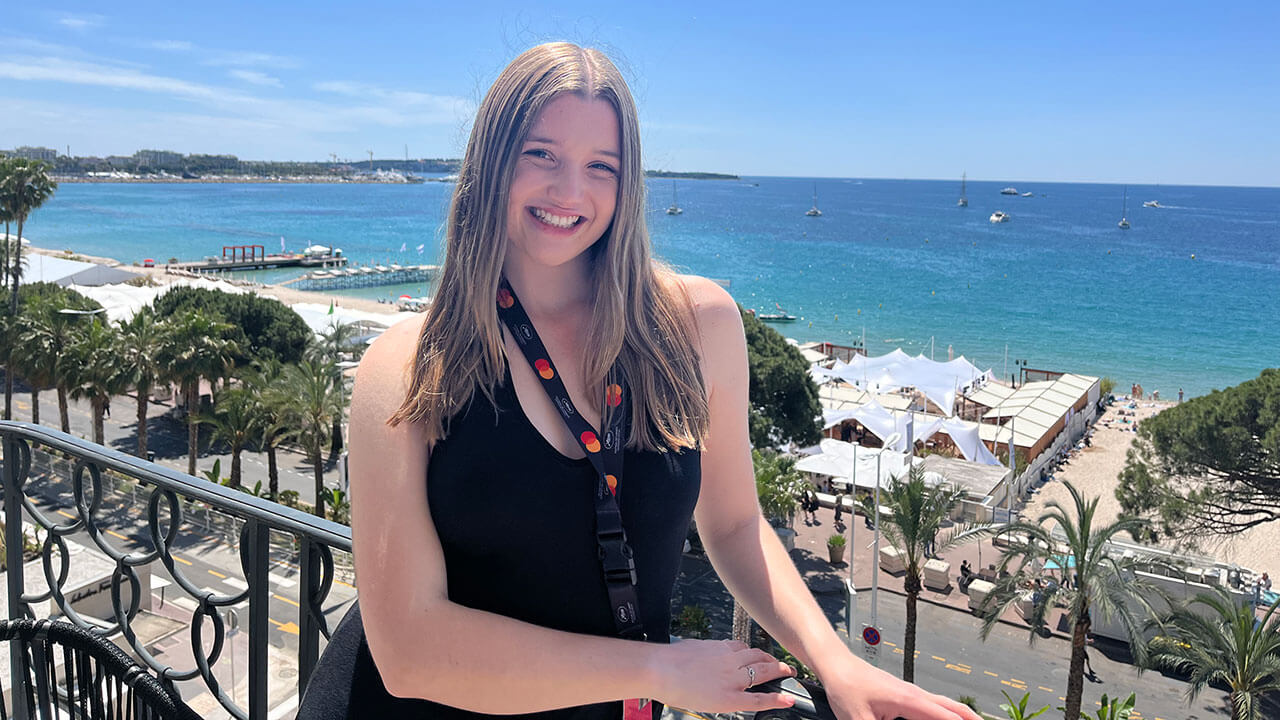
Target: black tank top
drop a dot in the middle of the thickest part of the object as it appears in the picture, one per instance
(517, 526)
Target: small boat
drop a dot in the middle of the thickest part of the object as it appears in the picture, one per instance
(1009, 191)
(675, 203)
(999, 216)
(1124, 212)
(811, 212)
(782, 316)
(1027, 194)
(1152, 203)
(964, 200)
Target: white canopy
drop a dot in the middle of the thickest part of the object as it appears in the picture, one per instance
(939, 381)
(837, 461)
(318, 318)
(882, 423)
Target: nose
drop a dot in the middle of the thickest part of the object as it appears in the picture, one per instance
(568, 185)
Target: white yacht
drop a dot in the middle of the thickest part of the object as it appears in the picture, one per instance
(675, 201)
(964, 200)
(814, 211)
(1027, 194)
(1152, 203)
(999, 216)
(1009, 191)
(1124, 211)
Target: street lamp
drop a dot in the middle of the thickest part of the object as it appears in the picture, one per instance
(875, 553)
(849, 591)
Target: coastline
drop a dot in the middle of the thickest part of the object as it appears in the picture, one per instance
(286, 295)
(238, 180)
(1095, 470)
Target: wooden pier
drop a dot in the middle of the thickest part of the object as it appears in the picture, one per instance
(254, 257)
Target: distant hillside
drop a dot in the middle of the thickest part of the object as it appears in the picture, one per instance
(689, 175)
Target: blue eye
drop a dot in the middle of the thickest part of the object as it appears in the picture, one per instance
(538, 153)
(602, 166)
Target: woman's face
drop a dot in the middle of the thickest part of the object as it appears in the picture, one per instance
(565, 185)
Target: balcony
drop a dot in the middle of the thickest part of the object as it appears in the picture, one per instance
(223, 595)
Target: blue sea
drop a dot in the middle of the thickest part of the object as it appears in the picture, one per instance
(1186, 298)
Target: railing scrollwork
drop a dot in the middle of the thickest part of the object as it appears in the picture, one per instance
(98, 472)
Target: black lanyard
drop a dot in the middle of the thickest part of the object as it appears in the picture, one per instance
(605, 455)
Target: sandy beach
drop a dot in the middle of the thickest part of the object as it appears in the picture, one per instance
(286, 295)
(1094, 472)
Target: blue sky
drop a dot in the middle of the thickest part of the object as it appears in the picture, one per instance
(1160, 92)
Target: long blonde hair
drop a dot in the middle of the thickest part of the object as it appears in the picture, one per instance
(642, 324)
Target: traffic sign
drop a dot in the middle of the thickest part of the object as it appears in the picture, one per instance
(870, 635)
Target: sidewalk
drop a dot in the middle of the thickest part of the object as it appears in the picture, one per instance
(824, 577)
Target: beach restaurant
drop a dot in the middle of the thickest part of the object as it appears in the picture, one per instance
(953, 412)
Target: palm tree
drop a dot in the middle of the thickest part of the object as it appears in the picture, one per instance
(1102, 583)
(313, 402)
(917, 513)
(332, 346)
(24, 186)
(194, 348)
(34, 362)
(140, 339)
(94, 369)
(272, 410)
(236, 420)
(46, 336)
(1224, 645)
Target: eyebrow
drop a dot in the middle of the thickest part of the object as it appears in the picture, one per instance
(549, 141)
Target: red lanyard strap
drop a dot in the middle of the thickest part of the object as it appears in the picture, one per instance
(605, 455)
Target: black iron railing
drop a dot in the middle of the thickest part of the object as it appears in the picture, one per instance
(174, 503)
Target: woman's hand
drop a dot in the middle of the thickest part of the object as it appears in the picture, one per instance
(864, 692)
(713, 676)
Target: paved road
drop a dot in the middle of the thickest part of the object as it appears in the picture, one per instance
(952, 660)
(167, 438)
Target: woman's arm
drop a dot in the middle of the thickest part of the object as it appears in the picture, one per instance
(746, 552)
(428, 647)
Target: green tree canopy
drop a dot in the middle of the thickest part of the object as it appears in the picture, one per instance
(1209, 465)
(784, 400)
(261, 327)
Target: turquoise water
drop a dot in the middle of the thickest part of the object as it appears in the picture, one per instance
(1059, 284)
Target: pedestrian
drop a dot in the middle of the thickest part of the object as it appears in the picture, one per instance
(602, 397)
(107, 409)
(813, 508)
(1179, 396)
(839, 521)
(1155, 395)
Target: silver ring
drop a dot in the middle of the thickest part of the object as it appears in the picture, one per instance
(751, 676)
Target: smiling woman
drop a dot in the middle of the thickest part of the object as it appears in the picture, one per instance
(506, 563)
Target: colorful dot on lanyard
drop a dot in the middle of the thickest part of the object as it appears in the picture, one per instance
(590, 442)
(505, 300)
(612, 482)
(613, 395)
(544, 369)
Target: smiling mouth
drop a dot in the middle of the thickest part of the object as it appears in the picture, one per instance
(559, 221)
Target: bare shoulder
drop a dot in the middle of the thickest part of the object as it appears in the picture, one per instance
(715, 311)
(383, 372)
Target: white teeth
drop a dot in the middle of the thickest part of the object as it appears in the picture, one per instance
(556, 220)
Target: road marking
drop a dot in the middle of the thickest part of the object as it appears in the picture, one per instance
(959, 669)
(1019, 686)
(941, 660)
(285, 599)
(115, 534)
(217, 574)
(886, 642)
(236, 583)
(64, 513)
(1020, 682)
(281, 580)
(898, 651)
(1048, 690)
(289, 627)
(991, 673)
(181, 560)
(185, 603)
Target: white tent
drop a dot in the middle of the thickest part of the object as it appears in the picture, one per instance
(939, 381)
(837, 461)
(318, 318)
